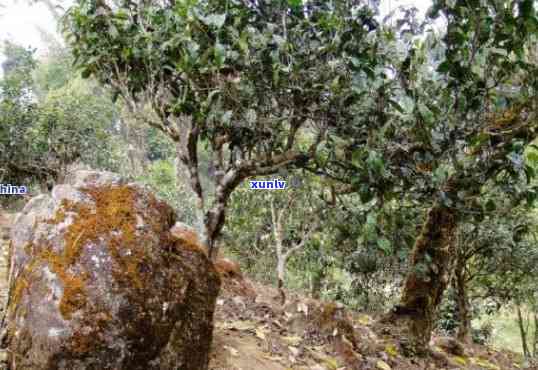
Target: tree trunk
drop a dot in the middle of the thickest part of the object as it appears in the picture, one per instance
(136, 145)
(281, 275)
(522, 332)
(281, 256)
(317, 283)
(464, 326)
(213, 224)
(535, 342)
(280, 263)
(428, 276)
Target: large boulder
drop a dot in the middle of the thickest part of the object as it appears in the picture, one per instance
(97, 281)
(229, 271)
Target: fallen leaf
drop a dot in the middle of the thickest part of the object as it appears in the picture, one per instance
(288, 315)
(239, 301)
(331, 363)
(294, 350)
(364, 319)
(391, 350)
(293, 340)
(460, 360)
(238, 325)
(302, 307)
(232, 350)
(273, 358)
(260, 333)
(382, 365)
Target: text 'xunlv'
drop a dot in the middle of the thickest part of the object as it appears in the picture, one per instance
(268, 184)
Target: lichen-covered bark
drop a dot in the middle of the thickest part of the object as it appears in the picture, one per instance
(427, 279)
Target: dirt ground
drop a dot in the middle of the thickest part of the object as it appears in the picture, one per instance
(253, 331)
(5, 225)
(307, 334)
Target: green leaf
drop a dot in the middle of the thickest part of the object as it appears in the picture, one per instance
(479, 215)
(113, 31)
(440, 175)
(396, 106)
(366, 194)
(369, 72)
(295, 3)
(490, 206)
(532, 158)
(86, 73)
(226, 117)
(356, 62)
(371, 219)
(375, 161)
(426, 113)
(526, 8)
(220, 54)
(444, 67)
(251, 116)
(356, 157)
(279, 40)
(216, 20)
(385, 245)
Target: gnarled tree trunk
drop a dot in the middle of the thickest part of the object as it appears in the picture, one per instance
(428, 277)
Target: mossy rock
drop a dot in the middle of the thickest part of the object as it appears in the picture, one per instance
(98, 282)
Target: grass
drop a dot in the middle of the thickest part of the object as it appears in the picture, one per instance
(505, 333)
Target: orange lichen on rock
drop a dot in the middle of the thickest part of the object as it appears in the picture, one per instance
(59, 216)
(112, 219)
(191, 246)
(228, 268)
(73, 297)
(20, 285)
(232, 278)
(187, 237)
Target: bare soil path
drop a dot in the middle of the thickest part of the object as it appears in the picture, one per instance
(6, 220)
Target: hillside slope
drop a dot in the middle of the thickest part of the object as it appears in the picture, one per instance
(256, 333)
(253, 331)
